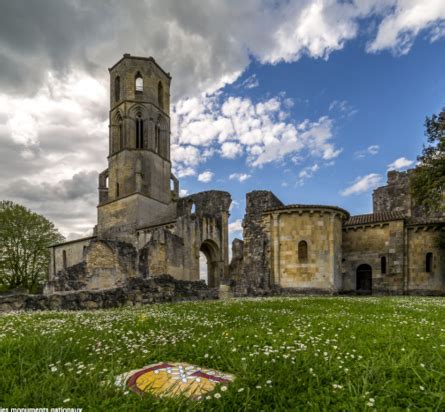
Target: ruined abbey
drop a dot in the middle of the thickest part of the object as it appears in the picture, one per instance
(145, 230)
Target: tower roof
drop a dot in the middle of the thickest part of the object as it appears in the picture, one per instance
(150, 58)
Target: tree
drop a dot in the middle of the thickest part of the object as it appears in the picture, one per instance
(24, 240)
(428, 179)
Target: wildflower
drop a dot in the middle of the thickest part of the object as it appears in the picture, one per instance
(421, 388)
(371, 402)
(66, 400)
(223, 388)
(53, 368)
(217, 395)
(240, 389)
(206, 355)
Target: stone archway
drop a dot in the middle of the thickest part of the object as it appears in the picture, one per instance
(364, 279)
(212, 256)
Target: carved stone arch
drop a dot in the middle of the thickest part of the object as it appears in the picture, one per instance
(137, 109)
(117, 132)
(139, 126)
(161, 133)
(212, 254)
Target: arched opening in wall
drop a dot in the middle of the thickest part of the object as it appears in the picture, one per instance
(364, 279)
(139, 83)
(64, 263)
(160, 95)
(117, 88)
(302, 251)
(120, 127)
(383, 265)
(429, 262)
(209, 264)
(157, 137)
(203, 268)
(117, 190)
(193, 209)
(139, 132)
(106, 182)
(172, 184)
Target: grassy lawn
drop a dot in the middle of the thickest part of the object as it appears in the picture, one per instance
(308, 353)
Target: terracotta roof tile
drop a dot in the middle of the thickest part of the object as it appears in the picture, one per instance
(301, 206)
(374, 218)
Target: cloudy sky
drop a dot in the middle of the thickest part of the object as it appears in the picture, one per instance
(313, 99)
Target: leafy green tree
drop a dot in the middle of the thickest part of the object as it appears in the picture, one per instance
(428, 179)
(24, 240)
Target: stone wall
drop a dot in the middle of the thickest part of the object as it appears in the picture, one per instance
(105, 264)
(236, 267)
(256, 258)
(318, 230)
(423, 239)
(137, 292)
(396, 197)
(367, 244)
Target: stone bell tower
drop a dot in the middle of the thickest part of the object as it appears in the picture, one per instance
(138, 188)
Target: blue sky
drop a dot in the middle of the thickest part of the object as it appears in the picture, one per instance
(373, 99)
(312, 99)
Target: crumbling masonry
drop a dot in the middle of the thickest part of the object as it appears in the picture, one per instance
(146, 231)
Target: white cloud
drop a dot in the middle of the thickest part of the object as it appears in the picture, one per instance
(206, 176)
(399, 28)
(241, 177)
(400, 163)
(251, 82)
(236, 226)
(363, 184)
(307, 173)
(54, 85)
(230, 150)
(371, 150)
(236, 125)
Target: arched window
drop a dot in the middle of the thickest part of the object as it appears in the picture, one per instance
(139, 83)
(193, 209)
(160, 95)
(157, 138)
(302, 251)
(117, 189)
(117, 88)
(429, 262)
(383, 264)
(139, 132)
(64, 259)
(120, 127)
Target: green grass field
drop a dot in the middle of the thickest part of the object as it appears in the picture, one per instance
(308, 353)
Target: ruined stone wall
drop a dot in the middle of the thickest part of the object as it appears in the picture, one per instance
(201, 224)
(321, 231)
(163, 253)
(236, 267)
(396, 197)
(422, 239)
(137, 292)
(105, 264)
(74, 252)
(256, 260)
(367, 244)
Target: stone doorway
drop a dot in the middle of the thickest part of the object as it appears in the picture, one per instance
(364, 279)
(209, 263)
